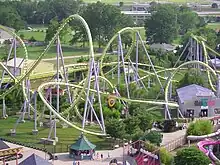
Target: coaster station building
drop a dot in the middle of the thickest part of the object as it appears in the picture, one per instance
(197, 101)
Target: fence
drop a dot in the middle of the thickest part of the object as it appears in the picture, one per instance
(175, 144)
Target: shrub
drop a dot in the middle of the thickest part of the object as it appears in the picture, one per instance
(191, 156)
(169, 125)
(165, 157)
(150, 147)
(154, 137)
(200, 127)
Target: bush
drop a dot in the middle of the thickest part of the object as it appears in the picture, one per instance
(191, 156)
(154, 137)
(165, 157)
(150, 147)
(200, 127)
(169, 125)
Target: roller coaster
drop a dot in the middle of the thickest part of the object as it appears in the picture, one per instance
(103, 79)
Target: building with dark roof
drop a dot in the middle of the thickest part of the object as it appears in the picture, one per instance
(3, 145)
(195, 100)
(35, 160)
(163, 47)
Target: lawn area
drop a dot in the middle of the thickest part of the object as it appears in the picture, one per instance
(142, 1)
(34, 52)
(66, 136)
(214, 26)
(38, 35)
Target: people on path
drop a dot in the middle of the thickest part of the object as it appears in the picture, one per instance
(101, 156)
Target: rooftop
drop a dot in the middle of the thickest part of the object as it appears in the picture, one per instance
(163, 46)
(82, 144)
(3, 145)
(34, 160)
(188, 92)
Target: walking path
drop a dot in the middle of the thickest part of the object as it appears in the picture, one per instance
(63, 158)
(169, 137)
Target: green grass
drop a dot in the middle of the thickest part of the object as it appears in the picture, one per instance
(214, 26)
(34, 52)
(39, 36)
(142, 1)
(67, 136)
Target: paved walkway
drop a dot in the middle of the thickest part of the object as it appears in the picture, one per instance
(63, 158)
(169, 137)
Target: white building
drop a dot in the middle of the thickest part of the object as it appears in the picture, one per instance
(195, 100)
(138, 16)
(4, 36)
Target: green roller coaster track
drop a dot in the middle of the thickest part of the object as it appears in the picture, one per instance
(82, 86)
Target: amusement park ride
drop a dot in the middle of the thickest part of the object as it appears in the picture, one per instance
(98, 82)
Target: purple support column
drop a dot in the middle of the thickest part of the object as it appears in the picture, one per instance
(123, 63)
(87, 93)
(136, 60)
(119, 54)
(16, 72)
(35, 113)
(151, 63)
(50, 100)
(28, 94)
(64, 71)
(137, 75)
(15, 57)
(8, 57)
(58, 89)
(98, 93)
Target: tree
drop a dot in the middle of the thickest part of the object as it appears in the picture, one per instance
(52, 29)
(121, 4)
(131, 125)
(191, 156)
(153, 137)
(10, 17)
(214, 5)
(191, 77)
(187, 20)
(103, 20)
(22, 36)
(146, 121)
(115, 128)
(209, 35)
(162, 26)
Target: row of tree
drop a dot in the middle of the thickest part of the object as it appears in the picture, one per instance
(16, 13)
(104, 21)
(169, 21)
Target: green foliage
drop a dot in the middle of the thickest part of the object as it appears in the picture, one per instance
(32, 39)
(162, 25)
(168, 20)
(115, 128)
(187, 19)
(165, 156)
(10, 17)
(131, 124)
(200, 127)
(191, 77)
(191, 156)
(153, 137)
(150, 147)
(52, 29)
(104, 20)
